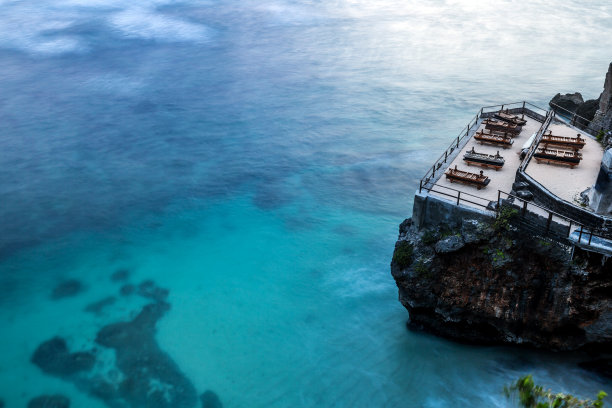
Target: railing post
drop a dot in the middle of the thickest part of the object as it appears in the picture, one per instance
(590, 237)
(445, 155)
(458, 196)
(457, 141)
(524, 207)
(420, 186)
(498, 200)
(550, 215)
(502, 108)
(569, 230)
(433, 171)
(580, 235)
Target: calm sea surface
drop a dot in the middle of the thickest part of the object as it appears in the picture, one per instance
(255, 159)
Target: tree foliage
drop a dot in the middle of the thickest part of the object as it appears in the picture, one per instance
(531, 395)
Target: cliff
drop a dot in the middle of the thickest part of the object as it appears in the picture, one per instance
(597, 112)
(603, 116)
(491, 284)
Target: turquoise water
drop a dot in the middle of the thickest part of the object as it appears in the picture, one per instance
(255, 159)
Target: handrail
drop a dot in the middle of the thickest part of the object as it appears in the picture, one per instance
(574, 116)
(536, 141)
(592, 232)
(431, 172)
(449, 150)
(459, 195)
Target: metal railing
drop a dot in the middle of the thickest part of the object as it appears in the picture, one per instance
(534, 144)
(460, 196)
(542, 221)
(572, 118)
(430, 175)
(514, 107)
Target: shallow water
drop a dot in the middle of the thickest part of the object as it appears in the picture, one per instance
(255, 159)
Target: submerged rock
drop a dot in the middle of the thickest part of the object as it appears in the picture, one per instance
(149, 289)
(120, 275)
(49, 401)
(210, 400)
(152, 378)
(97, 307)
(127, 290)
(68, 288)
(53, 357)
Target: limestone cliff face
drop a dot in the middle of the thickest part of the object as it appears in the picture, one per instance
(473, 283)
(603, 116)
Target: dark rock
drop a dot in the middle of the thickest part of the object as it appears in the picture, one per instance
(49, 401)
(210, 400)
(97, 307)
(492, 206)
(449, 244)
(570, 102)
(71, 287)
(143, 376)
(53, 357)
(524, 195)
(519, 185)
(603, 116)
(143, 363)
(127, 290)
(120, 275)
(150, 290)
(506, 287)
(588, 109)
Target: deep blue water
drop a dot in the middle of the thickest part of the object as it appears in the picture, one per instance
(255, 159)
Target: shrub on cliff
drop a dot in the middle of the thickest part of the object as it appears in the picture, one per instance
(531, 395)
(402, 256)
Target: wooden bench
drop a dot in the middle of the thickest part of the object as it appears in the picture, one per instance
(495, 161)
(570, 158)
(492, 124)
(574, 142)
(514, 119)
(493, 139)
(478, 180)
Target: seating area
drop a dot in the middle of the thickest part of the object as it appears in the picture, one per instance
(556, 156)
(495, 161)
(484, 149)
(478, 180)
(494, 139)
(572, 142)
(500, 125)
(514, 119)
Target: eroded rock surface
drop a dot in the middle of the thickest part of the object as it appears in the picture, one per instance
(478, 284)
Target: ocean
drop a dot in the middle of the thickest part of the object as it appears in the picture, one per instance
(252, 160)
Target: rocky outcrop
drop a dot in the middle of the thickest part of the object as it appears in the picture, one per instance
(570, 102)
(603, 116)
(491, 284)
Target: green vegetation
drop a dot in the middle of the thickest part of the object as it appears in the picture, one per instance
(422, 270)
(531, 395)
(499, 255)
(600, 136)
(402, 256)
(502, 222)
(429, 237)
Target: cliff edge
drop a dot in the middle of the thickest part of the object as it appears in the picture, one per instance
(489, 283)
